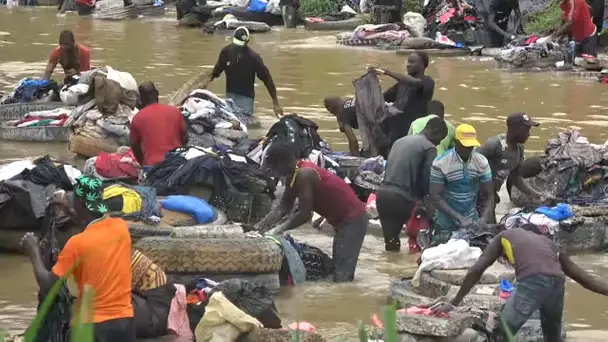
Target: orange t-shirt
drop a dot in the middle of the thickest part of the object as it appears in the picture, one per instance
(104, 253)
(83, 52)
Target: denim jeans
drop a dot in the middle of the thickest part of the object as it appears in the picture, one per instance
(537, 292)
(244, 102)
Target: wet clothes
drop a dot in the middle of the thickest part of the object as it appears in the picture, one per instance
(461, 182)
(587, 46)
(371, 111)
(412, 102)
(346, 247)
(332, 197)
(83, 63)
(159, 128)
(106, 242)
(530, 253)
(395, 207)
(447, 143)
(245, 103)
(242, 65)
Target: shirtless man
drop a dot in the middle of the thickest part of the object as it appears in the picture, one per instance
(323, 192)
(505, 153)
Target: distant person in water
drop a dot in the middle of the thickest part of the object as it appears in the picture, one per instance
(435, 109)
(241, 65)
(73, 58)
(410, 95)
(156, 129)
(320, 191)
(496, 19)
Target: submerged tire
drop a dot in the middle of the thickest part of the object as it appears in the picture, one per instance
(213, 256)
(16, 111)
(40, 133)
(338, 25)
(437, 52)
(141, 229)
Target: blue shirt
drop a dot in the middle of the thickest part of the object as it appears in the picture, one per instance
(461, 181)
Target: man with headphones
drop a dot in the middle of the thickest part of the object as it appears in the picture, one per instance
(241, 65)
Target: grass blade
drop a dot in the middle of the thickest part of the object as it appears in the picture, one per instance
(390, 323)
(363, 336)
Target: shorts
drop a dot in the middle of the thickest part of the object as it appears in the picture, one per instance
(587, 46)
(243, 102)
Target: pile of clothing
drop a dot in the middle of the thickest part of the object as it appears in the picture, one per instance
(546, 219)
(55, 117)
(230, 22)
(393, 34)
(109, 113)
(459, 23)
(213, 121)
(227, 175)
(572, 170)
(118, 165)
(32, 90)
(256, 15)
(133, 202)
(533, 53)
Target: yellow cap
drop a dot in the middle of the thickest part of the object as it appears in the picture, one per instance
(467, 136)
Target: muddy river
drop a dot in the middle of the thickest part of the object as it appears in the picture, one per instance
(306, 67)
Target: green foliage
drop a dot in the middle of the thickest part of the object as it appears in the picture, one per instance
(317, 8)
(412, 6)
(546, 21)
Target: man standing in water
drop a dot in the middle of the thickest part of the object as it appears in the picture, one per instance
(73, 58)
(505, 153)
(99, 257)
(540, 269)
(346, 114)
(410, 95)
(242, 65)
(156, 129)
(323, 192)
(406, 180)
(456, 179)
(496, 21)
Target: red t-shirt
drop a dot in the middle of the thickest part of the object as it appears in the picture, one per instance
(159, 129)
(84, 54)
(579, 13)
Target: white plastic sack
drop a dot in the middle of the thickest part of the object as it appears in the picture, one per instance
(348, 9)
(125, 79)
(364, 6)
(273, 7)
(70, 95)
(416, 23)
(454, 254)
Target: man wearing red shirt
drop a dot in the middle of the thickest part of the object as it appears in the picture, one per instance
(156, 129)
(576, 15)
(73, 58)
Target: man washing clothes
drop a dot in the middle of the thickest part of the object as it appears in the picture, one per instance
(156, 129)
(496, 21)
(318, 190)
(505, 154)
(346, 114)
(73, 58)
(540, 269)
(406, 180)
(578, 22)
(241, 65)
(99, 257)
(457, 177)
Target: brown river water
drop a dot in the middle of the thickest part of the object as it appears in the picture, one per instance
(306, 67)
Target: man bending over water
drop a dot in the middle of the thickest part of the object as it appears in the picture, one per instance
(323, 192)
(456, 179)
(540, 269)
(73, 58)
(100, 257)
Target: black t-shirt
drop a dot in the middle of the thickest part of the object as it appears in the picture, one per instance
(412, 101)
(241, 65)
(503, 8)
(348, 114)
(502, 159)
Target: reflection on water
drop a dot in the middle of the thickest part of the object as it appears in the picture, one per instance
(306, 66)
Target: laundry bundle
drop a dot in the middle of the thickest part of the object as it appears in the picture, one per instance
(213, 121)
(31, 90)
(108, 114)
(532, 52)
(115, 165)
(56, 117)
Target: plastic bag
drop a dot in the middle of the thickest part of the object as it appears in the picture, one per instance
(251, 297)
(257, 6)
(370, 206)
(415, 22)
(454, 254)
(197, 207)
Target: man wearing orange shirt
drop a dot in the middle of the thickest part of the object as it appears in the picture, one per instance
(99, 257)
(576, 15)
(73, 58)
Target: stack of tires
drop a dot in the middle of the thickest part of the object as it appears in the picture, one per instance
(185, 259)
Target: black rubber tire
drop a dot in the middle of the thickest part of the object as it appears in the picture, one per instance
(39, 134)
(338, 25)
(16, 111)
(270, 280)
(141, 230)
(213, 256)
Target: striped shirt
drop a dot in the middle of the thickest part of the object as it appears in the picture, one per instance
(461, 181)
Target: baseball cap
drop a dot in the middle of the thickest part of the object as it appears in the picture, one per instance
(467, 135)
(521, 119)
(240, 36)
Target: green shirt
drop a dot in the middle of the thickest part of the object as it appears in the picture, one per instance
(447, 143)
